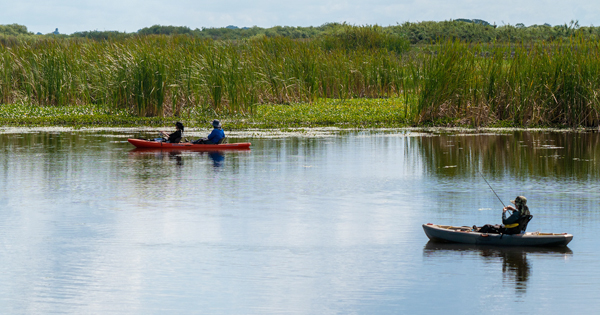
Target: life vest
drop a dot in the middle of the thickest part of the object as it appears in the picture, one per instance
(523, 212)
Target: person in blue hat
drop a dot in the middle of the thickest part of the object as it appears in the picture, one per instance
(215, 136)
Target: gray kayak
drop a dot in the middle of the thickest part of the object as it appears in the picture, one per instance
(466, 235)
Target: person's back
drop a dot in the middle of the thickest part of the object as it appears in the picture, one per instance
(514, 223)
(214, 137)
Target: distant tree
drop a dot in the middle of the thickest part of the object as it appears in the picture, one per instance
(101, 35)
(14, 30)
(164, 30)
(482, 22)
(343, 35)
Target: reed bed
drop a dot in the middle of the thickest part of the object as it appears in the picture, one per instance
(451, 82)
(163, 75)
(160, 75)
(523, 85)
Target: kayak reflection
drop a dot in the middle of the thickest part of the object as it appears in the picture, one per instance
(217, 157)
(515, 265)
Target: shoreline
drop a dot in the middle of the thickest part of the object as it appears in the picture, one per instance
(339, 115)
(305, 132)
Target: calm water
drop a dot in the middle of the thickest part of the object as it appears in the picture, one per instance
(298, 225)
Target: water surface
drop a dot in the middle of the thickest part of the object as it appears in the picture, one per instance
(298, 225)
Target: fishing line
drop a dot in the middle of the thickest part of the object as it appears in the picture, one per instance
(491, 188)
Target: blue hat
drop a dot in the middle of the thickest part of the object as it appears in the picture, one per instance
(216, 123)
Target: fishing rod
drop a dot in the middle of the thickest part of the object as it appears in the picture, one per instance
(491, 188)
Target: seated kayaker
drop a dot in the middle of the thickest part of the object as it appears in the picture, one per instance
(512, 224)
(176, 136)
(214, 137)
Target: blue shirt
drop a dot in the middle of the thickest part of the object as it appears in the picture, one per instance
(216, 135)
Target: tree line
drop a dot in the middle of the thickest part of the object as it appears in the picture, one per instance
(427, 32)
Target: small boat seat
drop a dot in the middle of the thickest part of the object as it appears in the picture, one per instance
(523, 221)
(222, 141)
(177, 140)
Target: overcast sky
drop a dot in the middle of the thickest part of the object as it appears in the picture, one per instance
(130, 15)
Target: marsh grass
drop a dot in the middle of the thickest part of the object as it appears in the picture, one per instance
(529, 85)
(161, 75)
(452, 82)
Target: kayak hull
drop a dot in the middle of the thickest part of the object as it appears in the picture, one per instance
(465, 235)
(147, 144)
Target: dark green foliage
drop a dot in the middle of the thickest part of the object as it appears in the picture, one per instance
(367, 37)
(476, 21)
(426, 32)
(14, 30)
(101, 35)
(164, 30)
(430, 32)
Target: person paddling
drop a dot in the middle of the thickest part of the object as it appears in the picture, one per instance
(512, 224)
(176, 136)
(215, 136)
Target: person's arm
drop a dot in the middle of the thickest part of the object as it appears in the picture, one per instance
(513, 218)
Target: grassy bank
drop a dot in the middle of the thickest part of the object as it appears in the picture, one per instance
(359, 113)
(159, 78)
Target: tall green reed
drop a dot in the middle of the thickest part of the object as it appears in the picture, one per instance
(533, 84)
(452, 82)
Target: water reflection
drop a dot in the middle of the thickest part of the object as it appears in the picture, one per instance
(515, 265)
(217, 157)
(519, 153)
(335, 222)
(159, 155)
(515, 154)
(177, 156)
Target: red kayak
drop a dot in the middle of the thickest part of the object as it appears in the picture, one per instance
(147, 144)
